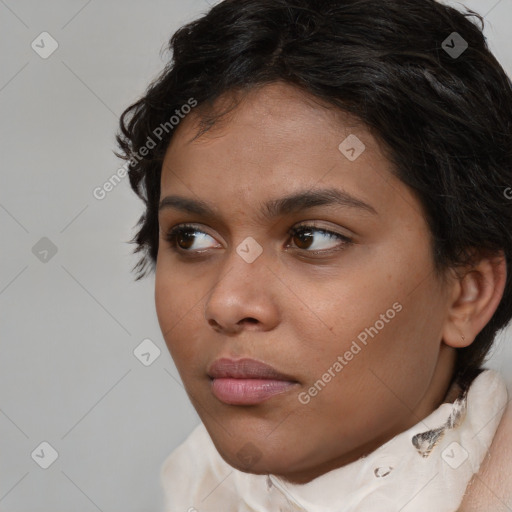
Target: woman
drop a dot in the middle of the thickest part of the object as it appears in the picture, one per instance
(328, 214)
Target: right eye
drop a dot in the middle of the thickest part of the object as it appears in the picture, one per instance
(183, 236)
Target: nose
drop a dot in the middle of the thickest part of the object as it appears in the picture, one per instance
(244, 297)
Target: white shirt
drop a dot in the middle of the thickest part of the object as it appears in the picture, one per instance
(427, 467)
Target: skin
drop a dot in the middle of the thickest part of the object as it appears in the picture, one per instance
(298, 310)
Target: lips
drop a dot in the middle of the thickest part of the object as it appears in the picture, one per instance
(245, 369)
(247, 381)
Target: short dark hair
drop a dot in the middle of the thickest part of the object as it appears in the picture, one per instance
(445, 119)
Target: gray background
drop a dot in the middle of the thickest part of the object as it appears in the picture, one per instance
(70, 321)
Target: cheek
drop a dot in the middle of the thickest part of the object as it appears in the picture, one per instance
(172, 298)
(164, 297)
(179, 311)
(174, 290)
(375, 387)
(388, 336)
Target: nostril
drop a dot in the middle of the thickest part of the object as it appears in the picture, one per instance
(248, 321)
(213, 323)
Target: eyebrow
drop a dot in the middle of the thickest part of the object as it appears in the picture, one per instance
(273, 208)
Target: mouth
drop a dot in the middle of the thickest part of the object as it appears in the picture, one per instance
(247, 381)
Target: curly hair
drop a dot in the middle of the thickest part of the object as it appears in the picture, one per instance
(444, 118)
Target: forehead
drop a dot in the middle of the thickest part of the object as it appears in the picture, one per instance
(273, 114)
(279, 137)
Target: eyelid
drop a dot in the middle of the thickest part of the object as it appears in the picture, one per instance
(314, 225)
(343, 240)
(170, 233)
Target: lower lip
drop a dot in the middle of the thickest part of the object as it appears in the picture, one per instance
(248, 391)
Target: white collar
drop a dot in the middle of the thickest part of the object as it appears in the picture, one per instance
(427, 467)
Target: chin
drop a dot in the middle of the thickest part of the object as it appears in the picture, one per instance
(252, 458)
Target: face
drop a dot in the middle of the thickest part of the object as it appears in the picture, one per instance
(281, 246)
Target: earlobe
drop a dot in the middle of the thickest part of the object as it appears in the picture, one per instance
(475, 297)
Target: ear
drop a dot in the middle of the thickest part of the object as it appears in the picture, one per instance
(476, 294)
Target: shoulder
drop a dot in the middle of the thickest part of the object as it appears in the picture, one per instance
(191, 471)
(190, 457)
(490, 490)
(180, 464)
(195, 442)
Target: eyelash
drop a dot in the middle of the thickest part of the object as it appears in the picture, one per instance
(173, 233)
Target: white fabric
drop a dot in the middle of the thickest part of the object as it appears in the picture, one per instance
(395, 477)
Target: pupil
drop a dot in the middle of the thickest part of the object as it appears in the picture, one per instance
(187, 237)
(306, 238)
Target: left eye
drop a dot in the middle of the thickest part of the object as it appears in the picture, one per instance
(305, 236)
